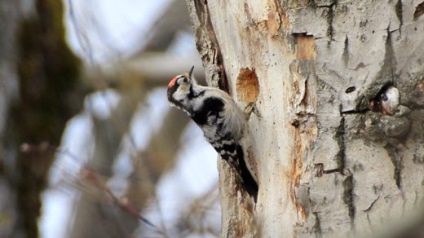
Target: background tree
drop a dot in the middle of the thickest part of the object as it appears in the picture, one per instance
(44, 74)
(339, 85)
(43, 85)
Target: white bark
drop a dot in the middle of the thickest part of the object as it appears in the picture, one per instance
(334, 158)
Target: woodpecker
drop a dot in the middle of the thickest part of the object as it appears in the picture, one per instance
(223, 123)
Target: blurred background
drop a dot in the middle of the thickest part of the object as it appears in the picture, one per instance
(89, 144)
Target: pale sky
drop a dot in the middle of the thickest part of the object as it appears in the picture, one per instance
(101, 31)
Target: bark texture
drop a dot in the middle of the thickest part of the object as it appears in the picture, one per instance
(340, 87)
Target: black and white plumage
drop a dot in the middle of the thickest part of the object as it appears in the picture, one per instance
(223, 123)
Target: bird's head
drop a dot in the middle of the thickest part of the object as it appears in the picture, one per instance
(181, 89)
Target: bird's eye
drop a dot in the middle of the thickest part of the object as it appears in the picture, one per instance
(182, 79)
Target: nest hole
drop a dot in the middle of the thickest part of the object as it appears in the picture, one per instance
(247, 85)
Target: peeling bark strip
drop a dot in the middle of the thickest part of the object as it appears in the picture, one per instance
(348, 197)
(399, 11)
(341, 154)
(208, 47)
(397, 163)
(303, 108)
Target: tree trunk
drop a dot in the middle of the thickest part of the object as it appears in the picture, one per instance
(339, 152)
(9, 12)
(39, 93)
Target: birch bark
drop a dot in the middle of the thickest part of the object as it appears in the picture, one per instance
(340, 86)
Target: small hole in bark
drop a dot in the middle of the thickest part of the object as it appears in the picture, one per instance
(247, 85)
(350, 89)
